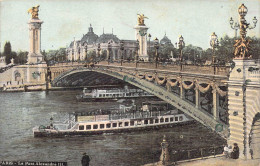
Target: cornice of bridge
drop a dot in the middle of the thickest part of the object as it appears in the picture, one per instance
(172, 74)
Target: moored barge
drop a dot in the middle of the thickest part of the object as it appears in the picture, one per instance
(111, 94)
(87, 126)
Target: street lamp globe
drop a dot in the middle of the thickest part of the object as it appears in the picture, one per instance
(242, 10)
(98, 47)
(181, 38)
(255, 20)
(231, 21)
(181, 42)
(156, 43)
(214, 40)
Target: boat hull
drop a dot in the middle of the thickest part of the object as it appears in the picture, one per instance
(117, 130)
(89, 99)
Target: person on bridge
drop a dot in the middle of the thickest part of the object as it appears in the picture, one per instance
(235, 153)
(229, 151)
(226, 151)
(85, 160)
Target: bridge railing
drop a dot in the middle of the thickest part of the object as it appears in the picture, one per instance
(186, 155)
(206, 69)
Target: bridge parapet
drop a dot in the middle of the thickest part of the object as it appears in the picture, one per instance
(203, 69)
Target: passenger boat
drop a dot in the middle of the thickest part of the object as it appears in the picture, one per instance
(99, 124)
(111, 94)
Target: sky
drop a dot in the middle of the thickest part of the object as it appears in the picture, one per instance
(63, 20)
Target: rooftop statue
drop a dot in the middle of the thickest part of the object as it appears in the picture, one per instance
(34, 11)
(140, 19)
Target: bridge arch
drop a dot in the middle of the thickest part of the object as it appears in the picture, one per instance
(254, 138)
(137, 79)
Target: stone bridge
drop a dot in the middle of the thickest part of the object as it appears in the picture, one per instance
(225, 100)
(201, 95)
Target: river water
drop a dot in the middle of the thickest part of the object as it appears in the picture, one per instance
(21, 111)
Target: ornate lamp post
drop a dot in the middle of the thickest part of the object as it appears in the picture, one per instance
(242, 44)
(72, 59)
(78, 55)
(214, 43)
(156, 46)
(98, 49)
(164, 158)
(67, 55)
(122, 50)
(86, 50)
(149, 48)
(108, 56)
(136, 55)
(181, 45)
(235, 26)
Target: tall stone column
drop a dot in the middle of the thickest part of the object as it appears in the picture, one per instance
(182, 92)
(197, 97)
(35, 55)
(141, 36)
(215, 104)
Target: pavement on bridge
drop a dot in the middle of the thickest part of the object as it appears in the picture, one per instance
(222, 161)
(212, 161)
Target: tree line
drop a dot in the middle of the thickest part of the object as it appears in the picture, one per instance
(224, 52)
(167, 52)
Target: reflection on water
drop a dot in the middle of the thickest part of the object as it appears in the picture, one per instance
(20, 112)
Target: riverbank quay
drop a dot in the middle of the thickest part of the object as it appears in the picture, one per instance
(218, 160)
(42, 87)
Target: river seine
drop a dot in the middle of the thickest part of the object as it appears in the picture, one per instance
(21, 111)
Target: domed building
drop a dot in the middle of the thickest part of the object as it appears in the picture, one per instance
(90, 37)
(109, 46)
(165, 40)
(105, 38)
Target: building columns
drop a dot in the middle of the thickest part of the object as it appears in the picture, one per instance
(197, 97)
(215, 104)
(182, 91)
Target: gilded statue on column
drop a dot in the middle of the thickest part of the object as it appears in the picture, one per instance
(140, 19)
(242, 49)
(34, 11)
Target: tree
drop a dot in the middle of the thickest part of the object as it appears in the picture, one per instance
(255, 47)
(192, 53)
(165, 52)
(13, 56)
(61, 54)
(225, 50)
(7, 52)
(21, 57)
(44, 54)
(206, 55)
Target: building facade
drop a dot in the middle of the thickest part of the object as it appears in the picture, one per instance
(110, 46)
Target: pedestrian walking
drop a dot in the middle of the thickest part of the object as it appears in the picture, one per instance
(226, 151)
(85, 160)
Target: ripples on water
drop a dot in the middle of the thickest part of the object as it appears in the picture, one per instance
(20, 112)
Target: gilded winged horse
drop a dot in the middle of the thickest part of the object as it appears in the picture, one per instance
(34, 11)
(140, 19)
